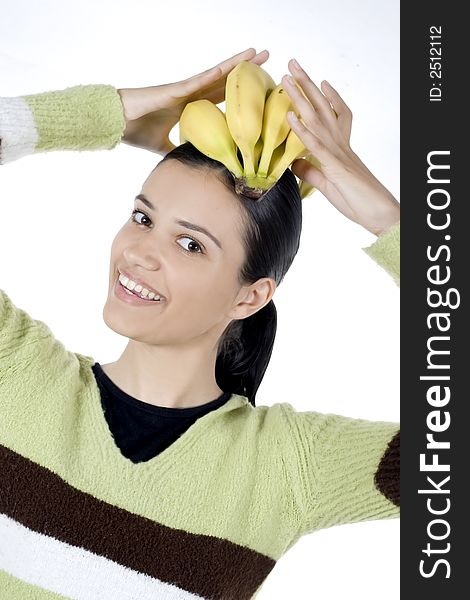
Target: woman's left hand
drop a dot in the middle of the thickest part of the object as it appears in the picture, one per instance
(325, 129)
(151, 112)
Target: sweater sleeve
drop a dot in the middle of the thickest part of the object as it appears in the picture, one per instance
(83, 117)
(343, 470)
(22, 338)
(386, 251)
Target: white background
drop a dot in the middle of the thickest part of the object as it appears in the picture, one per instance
(337, 346)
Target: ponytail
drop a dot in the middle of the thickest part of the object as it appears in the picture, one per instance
(244, 352)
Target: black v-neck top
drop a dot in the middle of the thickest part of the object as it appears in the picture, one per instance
(142, 430)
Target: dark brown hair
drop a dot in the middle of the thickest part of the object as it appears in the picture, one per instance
(271, 237)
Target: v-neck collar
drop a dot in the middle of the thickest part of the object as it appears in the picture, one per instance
(106, 446)
(164, 411)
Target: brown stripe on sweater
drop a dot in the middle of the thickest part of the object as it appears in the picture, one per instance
(208, 566)
(387, 477)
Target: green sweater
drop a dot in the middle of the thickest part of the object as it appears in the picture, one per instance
(209, 516)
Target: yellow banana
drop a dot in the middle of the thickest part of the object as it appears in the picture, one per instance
(257, 152)
(307, 188)
(246, 88)
(253, 138)
(203, 124)
(275, 126)
(277, 155)
(294, 149)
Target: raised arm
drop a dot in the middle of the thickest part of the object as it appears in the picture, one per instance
(341, 470)
(95, 117)
(83, 117)
(344, 470)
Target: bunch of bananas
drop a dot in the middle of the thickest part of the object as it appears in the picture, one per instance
(253, 139)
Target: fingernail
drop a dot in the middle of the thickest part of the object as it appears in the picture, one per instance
(289, 79)
(295, 64)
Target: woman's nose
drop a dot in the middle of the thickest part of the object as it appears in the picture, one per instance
(145, 253)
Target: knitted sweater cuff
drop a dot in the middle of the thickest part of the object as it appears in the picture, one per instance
(83, 117)
(386, 251)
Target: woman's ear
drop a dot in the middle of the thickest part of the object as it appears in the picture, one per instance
(253, 298)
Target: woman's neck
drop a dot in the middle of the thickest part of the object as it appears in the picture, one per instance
(165, 376)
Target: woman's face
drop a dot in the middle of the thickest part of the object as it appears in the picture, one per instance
(197, 278)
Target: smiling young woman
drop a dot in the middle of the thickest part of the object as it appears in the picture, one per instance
(158, 474)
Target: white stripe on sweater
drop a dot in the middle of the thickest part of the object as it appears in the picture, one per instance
(18, 132)
(74, 572)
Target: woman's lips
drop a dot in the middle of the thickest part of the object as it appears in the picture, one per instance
(131, 298)
(139, 282)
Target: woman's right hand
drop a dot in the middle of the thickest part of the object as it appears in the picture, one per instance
(344, 180)
(151, 112)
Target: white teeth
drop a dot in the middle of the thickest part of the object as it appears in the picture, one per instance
(138, 289)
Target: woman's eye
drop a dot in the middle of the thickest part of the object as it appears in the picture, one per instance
(135, 212)
(193, 243)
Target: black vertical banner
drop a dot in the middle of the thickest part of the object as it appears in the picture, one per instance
(435, 270)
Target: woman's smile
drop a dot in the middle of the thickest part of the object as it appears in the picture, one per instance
(129, 297)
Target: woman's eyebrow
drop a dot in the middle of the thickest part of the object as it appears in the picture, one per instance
(145, 200)
(187, 224)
